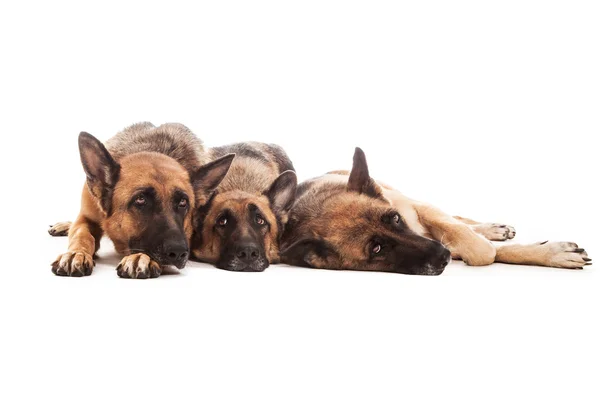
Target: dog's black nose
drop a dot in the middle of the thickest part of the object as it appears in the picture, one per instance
(175, 252)
(247, 252)
(439, 259)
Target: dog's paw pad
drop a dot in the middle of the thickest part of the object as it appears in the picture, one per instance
(138, 266)
(73, 263)
(565, 255)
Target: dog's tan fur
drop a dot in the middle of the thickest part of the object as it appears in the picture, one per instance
(165, 158)
(329, 214)
(174, 155)
(253, 172)
(237, 202)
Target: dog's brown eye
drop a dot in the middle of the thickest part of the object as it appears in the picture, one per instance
(140, 201)
(222, 221)
(260, 220)
(376, 249)
(183, 203)
(396, 218)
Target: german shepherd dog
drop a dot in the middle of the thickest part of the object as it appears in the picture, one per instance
(140, 190)
(239, 227)
(349, 221)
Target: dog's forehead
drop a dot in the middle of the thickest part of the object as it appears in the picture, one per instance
(355, 207)
(239, 201)
(349, 217)
(163, 174)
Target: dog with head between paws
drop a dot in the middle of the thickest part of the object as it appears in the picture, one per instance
(239, 227)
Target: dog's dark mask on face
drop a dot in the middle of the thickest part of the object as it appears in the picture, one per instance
(162, 234)
(373, 243)
(243, 240)
(355, 227)
(148, 199)
(239, 231)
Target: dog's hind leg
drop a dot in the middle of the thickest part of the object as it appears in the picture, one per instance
(491, 231)
(465, 243)
(60, 229)
(545, 254)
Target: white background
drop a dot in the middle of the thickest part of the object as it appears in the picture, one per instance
(486, 109)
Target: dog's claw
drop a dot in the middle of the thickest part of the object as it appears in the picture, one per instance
(76, 264)
(495, 232)
(138, 266)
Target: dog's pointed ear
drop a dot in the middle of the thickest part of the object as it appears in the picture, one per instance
(206, 179)
(282, 192)
(101, 170)
(360, 181)
(311, 252)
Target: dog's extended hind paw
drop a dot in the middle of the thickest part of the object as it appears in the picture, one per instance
(60, 229)
(564, 255)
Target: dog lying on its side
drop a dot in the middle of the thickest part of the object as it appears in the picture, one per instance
(238, 228)
(349, 221)
(140, 191)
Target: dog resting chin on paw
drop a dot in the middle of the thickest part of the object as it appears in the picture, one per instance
(140, 191)
(347, 220)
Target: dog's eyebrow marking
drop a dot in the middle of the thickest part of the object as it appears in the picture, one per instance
(145, 189)
(180, 192)
(256, 209)
(226, 211)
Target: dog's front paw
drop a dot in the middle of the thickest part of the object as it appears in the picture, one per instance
(73, 263)
(138, 266)
(496, 232)
(564, 255)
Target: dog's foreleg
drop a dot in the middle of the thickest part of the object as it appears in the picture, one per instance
(84, 240)
(491, 231)
(546, 254)
(467, 221)
(461, 239)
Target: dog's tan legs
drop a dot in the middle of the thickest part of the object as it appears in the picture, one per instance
(491, 231)
(546, 254)
(60, 229)
(467, 221)
(84, 240)
(462, 241)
